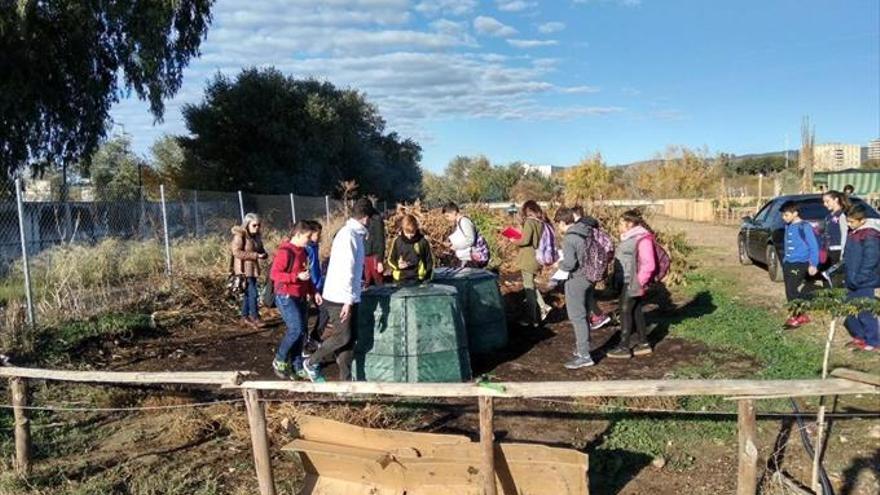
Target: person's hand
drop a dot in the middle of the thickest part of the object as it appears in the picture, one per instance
(304, 276)
(345, 313)
(812, 270)
(319, 299)
(380, 267)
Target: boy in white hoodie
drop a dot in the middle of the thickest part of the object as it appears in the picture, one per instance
(343, 284)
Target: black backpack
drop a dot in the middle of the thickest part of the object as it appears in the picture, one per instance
(267, 298)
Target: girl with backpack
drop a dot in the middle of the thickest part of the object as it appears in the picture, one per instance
(534, 231)
(577, 242)
(834, 236)
(635, 268)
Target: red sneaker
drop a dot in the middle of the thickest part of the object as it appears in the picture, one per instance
(866, 347)
(804, 319)
(854, 344)
(599, 321)
(793, 322)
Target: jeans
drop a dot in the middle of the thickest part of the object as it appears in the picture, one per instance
(338, 340)
(632, 316)
(863, 326)
(576, 294)
(293, 311)
(249, 303)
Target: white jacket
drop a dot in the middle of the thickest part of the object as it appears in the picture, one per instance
(343, 282)
(463, 238)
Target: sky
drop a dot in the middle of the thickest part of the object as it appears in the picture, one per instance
(550, 82)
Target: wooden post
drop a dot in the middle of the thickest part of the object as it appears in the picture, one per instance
(487, 442)
(259, 441)
(747, 475)
(18, 387)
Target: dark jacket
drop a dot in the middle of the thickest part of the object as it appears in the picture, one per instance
(374, 244)
(416, 252)
(862, 258)
(574, 248)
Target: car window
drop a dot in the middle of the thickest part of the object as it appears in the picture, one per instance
(812, 209)
(765, 211)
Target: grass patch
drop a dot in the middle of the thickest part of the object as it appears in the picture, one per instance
(755, 332)
(54, 343)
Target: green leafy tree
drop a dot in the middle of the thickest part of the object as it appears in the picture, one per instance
(116, 172)
(267, 132)
(65, 62)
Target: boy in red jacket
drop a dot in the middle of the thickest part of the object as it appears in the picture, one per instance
(293, 290)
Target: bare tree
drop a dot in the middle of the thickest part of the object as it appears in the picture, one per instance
(805, 159)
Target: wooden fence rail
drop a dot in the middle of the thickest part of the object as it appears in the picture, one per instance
(744, 391)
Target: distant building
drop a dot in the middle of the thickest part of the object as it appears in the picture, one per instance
(832, 157)
(874, 150)
(545, 170)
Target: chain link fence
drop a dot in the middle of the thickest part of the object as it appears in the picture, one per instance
(79, 258)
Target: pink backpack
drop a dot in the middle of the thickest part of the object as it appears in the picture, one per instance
(661, 257)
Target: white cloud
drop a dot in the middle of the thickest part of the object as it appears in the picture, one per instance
(413, 74)
(450, 7)
(492, 27)
(551, 27)
(531, 43)
(514, 5)
(579, 89)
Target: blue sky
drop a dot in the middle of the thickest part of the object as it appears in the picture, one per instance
(551, 81)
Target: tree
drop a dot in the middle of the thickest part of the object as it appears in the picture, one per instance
(116, 172)
(167, 161)
(267, 132)
(65, 63)
(588, 180)
(872, 164)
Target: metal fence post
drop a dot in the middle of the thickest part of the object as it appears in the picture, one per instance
(196, 212)
(165, 231)
(327, 207)
(24, 256)
(241, 206)
(292, 209)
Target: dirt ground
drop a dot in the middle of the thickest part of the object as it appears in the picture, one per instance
(533, 355)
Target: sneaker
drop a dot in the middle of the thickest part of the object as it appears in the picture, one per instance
(796, 321)
(642, 350)
(599, 321)
(619, 353)
(854, 344)
(313, 371)
(281, 369)
(301, 374)
(545, 312)
(579, 362)
(804, 319)
(866, 347)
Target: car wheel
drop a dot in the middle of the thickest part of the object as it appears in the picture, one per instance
(774, 267)
(744, 258)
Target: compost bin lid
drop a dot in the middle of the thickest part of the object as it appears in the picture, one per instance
(420, 290)
(462, 274)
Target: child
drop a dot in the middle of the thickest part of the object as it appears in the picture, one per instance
(598, 319)
(862, 262)
(293, 288)
(463, 237)
(317, 273)
(834, 236)
(635, 264)
(801, 258)
(410, 258)
(533, 226)
(577, 288)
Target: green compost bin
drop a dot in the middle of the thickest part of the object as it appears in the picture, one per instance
(483, 306)
(411, 334)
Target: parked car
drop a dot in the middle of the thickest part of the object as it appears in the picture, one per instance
(761, 237)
